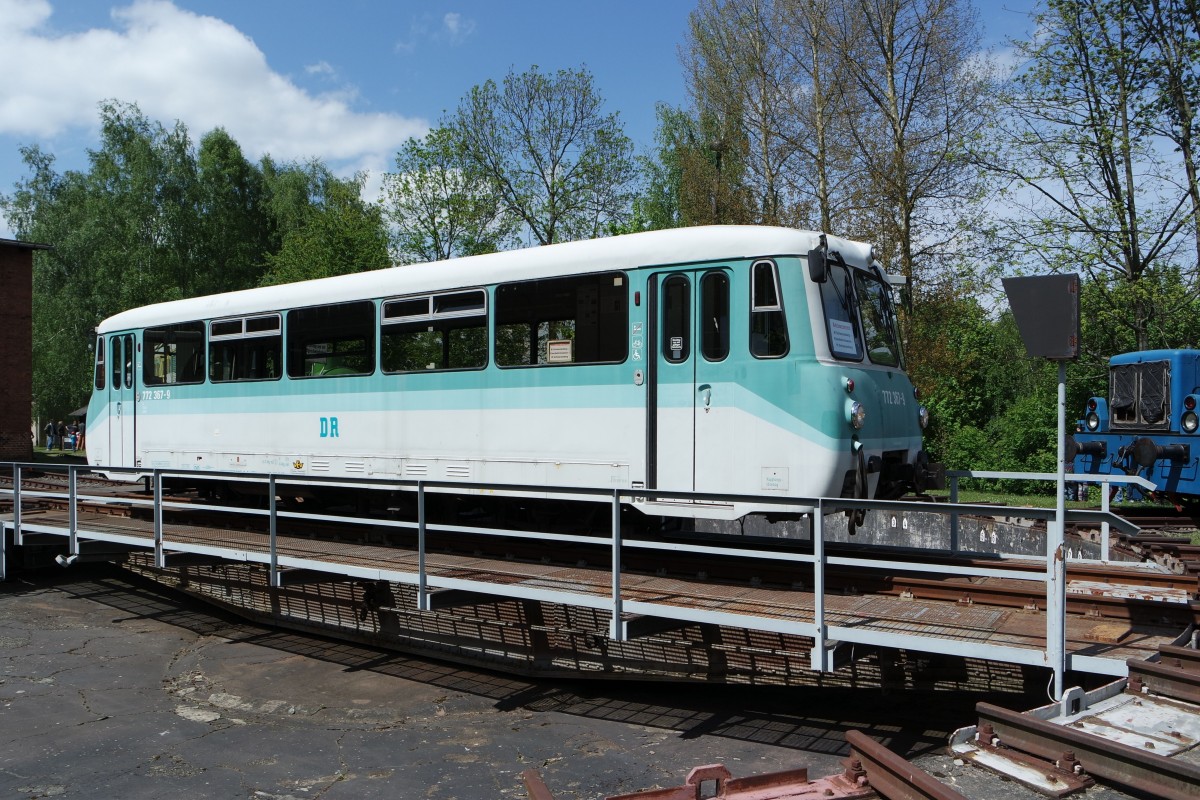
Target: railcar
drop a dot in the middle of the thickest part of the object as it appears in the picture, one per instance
(1148, 424)
(735, 360)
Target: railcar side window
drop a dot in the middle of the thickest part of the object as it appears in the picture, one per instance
(101, 374)
(116, 362)
(714, 309)
(435, 332)
(576, 320)
(841, 314)
(878, 322)
(768, 328)
(171, 354)
(245, 349)
(331, 341)
(128, 360)
(677, 319)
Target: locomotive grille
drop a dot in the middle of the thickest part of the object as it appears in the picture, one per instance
(1140, 395)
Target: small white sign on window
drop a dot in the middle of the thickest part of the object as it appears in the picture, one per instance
(676, 342)
(558, 351)
(841, 336)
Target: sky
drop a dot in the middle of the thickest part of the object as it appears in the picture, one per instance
(345, 82)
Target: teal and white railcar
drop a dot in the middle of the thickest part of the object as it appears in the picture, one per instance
(730, 360)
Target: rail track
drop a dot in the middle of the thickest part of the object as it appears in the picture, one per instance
(1083, 748)
(871, 771)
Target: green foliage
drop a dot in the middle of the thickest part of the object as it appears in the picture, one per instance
(440, 205)
(561, 166)
(154, 219)
(324, 226)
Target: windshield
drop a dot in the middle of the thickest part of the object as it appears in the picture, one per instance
(878, 321)
(841, 315)
(859, 316)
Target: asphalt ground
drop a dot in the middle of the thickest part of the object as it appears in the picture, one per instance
(115, 688)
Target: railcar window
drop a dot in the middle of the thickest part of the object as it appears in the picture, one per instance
(331, 341)
(437, 332)
(878, 323)
(128, 360)
(677, 319)
(117, 360)
(714, 308)
(245, 349)
(841, 314)
(768, 327)
(576, 320)
(171, 354)
(101, 374)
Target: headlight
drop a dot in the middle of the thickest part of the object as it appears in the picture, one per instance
(856, 413)
(923, 417)
(1190, 422)
(1092, 420)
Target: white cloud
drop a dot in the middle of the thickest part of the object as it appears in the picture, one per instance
(176, 64)
(457, 28)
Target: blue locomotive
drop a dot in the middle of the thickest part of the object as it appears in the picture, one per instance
(1148, 425)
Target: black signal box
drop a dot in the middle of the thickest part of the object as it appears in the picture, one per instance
(1046, 309)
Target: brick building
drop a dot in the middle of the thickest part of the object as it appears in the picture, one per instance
(16, 352)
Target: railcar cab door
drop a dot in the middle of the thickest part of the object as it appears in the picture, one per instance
(691, 438)
(122, 399)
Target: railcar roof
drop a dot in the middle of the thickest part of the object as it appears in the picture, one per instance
(1151, 355)
(653, 248)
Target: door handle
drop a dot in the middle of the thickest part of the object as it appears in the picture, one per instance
(707, 390)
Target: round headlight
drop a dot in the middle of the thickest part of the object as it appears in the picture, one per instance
(1190, 422)
(857, 413)
(1093, 421)
(923, 417)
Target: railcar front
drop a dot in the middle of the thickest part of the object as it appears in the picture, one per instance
(1148, 424)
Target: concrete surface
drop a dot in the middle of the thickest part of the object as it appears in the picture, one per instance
(111, 688)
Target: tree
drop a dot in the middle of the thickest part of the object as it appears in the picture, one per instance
(439, 205)
(914, 99)
(1082, 162)
(123, 235)
(740, 82)
(234, 231)
(562, 166)
(323, 225)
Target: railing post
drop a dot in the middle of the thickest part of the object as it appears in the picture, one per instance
(818, 542)
(17, 505)
(422, 585)
(160, 559)
(954, 514)
(1104, 531)
(616, 630)
(72, 513)
(274, 533)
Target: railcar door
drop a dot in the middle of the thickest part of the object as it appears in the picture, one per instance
(692, 443)
(122, 401)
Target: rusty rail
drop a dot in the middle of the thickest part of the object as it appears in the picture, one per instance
(1175, 675)
(870, 771)
(1115, 763)
(892, 776)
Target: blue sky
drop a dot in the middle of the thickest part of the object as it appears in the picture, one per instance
(346, 82)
